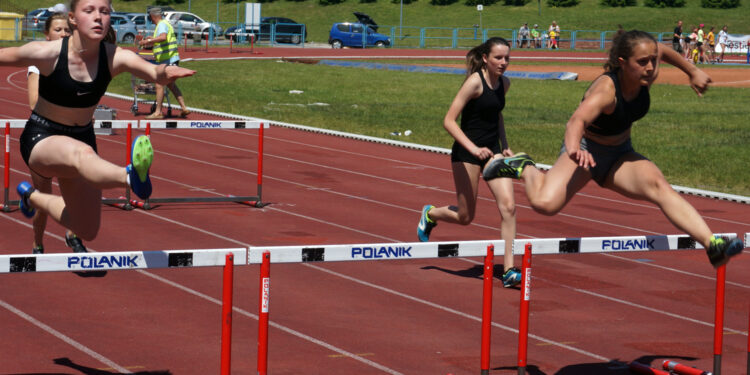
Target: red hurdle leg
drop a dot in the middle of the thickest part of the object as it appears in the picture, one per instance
(489, 267)
(265, 280)
(523, 324)
(6, 206)
(721, 274)
(226, 316)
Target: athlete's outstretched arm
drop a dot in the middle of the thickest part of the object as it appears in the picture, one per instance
(128, 61)
(699, 79)
(32, 53)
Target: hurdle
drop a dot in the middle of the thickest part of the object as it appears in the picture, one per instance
(232, 49)
(267, 255)
(252, 200)
(125, 202)
(139, 260)
(681, 369)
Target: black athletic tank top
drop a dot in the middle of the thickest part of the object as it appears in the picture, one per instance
(480, 116)
(59, 88)
(625, 113)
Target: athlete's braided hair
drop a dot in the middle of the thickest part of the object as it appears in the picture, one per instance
(623, 44)
(474, 61)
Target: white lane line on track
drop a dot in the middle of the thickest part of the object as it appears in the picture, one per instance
(68, 340)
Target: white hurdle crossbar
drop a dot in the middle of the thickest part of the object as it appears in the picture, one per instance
(425, 250)
(124, 260)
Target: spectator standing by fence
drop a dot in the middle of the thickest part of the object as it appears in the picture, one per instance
(710, 46)
(677, 38)
(523, 36)
(723, 38)
(701, 41)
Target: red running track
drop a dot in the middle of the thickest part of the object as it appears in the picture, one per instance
(590, 314)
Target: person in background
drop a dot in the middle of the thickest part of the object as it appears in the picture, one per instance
(701, 43)
(723, 40)
(554, 35)
(165, 47)
(523, 36)
(711, 46)
(536, 39)
(597, 144)
(55, 28)
(677, 38)
(479, 103)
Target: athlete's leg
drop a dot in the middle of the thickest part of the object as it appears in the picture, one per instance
(637, 177)
(466, 179)
(549, 193)
(78, 209)
(502, 189)
(43, 185)
(65, 157)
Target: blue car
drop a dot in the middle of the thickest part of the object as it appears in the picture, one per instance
(346, 34)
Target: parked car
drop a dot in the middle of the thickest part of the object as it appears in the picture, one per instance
(124, 27)
(189, 22)
(346, 34)
(285, 30)
(142, 23)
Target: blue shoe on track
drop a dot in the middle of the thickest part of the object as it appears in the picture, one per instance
(723, 248)
(425, 224)
(25, 189)
(511, 277)
(141, 157)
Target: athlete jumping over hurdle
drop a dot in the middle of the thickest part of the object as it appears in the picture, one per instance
(58, 140)
(597, 144)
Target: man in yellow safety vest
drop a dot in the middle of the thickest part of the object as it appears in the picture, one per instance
(165, 45)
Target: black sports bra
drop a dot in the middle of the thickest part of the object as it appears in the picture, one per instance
(59, 88)
(625, 113)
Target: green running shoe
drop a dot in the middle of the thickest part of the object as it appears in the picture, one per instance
(141, 157)
(510, 167)
(723, 248)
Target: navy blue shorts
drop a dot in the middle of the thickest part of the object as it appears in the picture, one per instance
(604, 156)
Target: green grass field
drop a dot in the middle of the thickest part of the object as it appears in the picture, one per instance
(697, 142)
(588, 15)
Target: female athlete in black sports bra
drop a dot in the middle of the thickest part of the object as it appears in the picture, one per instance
(58, 140)
(481, 135)
(597, 143)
